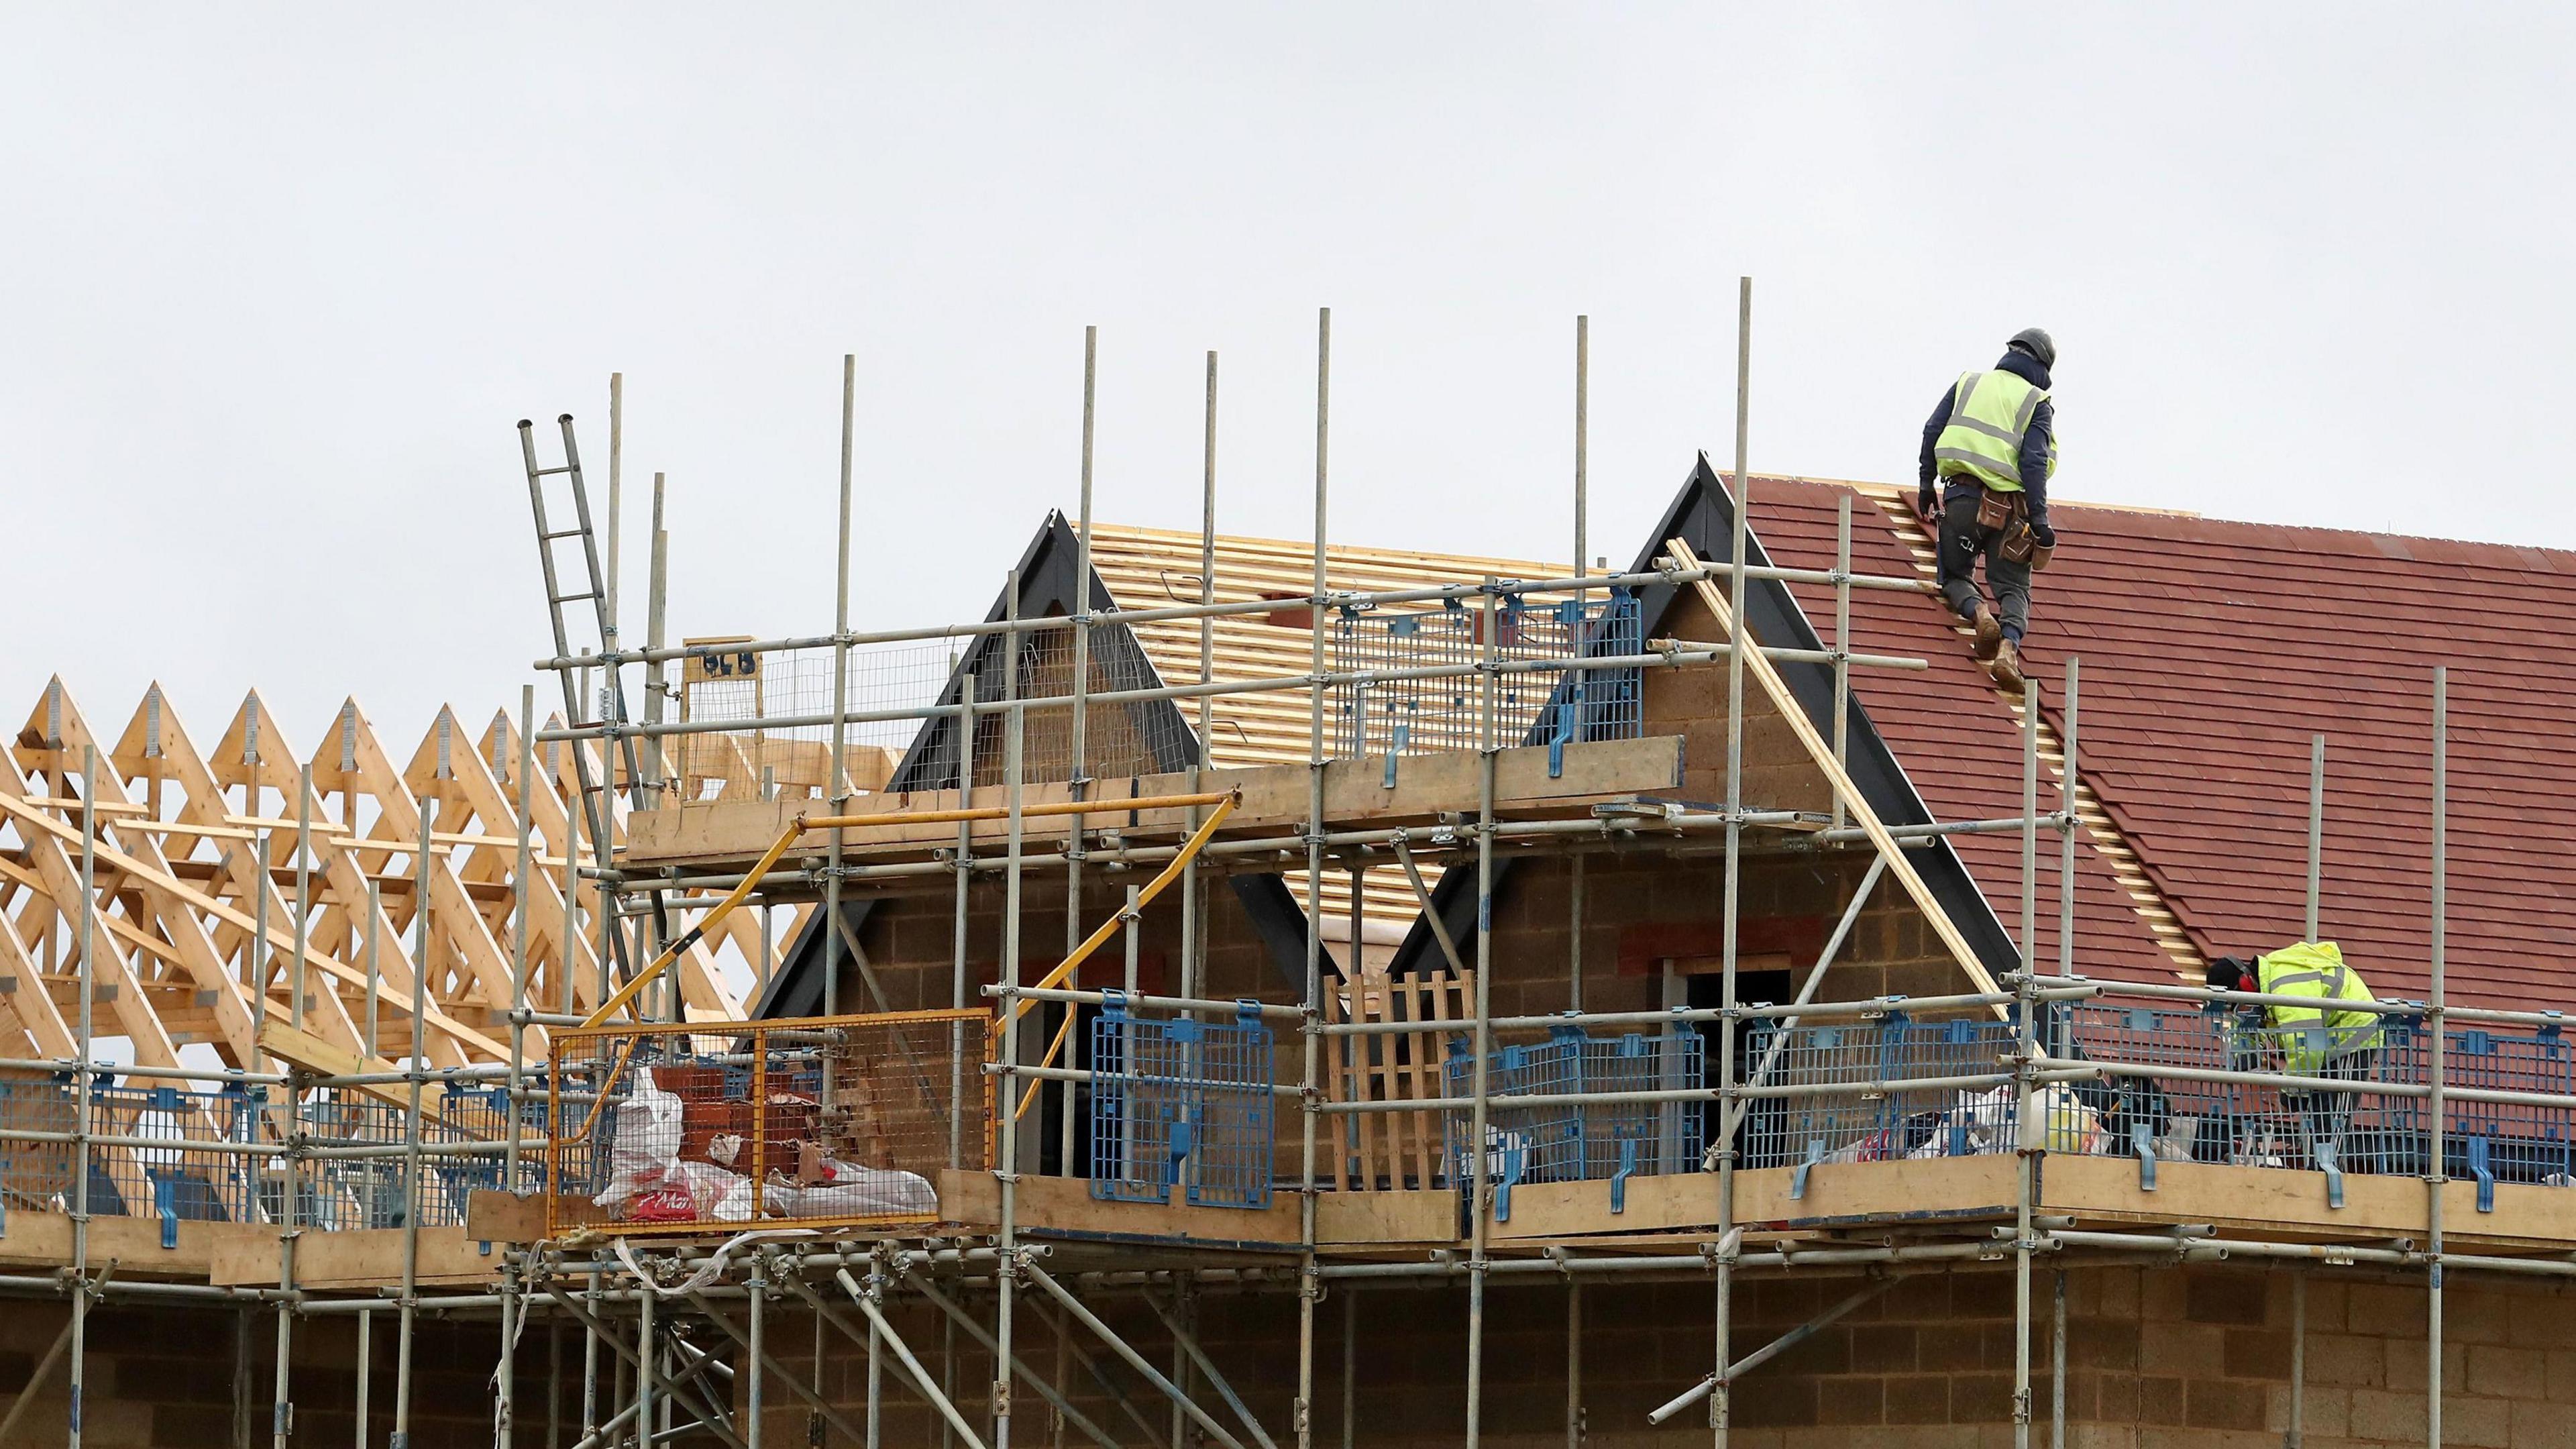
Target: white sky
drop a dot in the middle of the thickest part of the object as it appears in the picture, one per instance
(277, 281)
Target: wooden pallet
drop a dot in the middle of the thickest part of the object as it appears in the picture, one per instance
(1392, 1149)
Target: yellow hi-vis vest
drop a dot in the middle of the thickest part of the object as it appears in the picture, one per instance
(2312, 1035)
(1989, 413)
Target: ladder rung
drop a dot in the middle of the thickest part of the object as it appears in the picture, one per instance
(561, 599)
(549, 472)
(563, 533)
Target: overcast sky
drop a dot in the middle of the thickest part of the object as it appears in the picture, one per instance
(277, 281)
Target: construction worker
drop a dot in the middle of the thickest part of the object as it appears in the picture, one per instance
(2305, 1041)
(1989, 448)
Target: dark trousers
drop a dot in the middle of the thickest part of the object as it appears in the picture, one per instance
(2328, 1115)
(1962, 543)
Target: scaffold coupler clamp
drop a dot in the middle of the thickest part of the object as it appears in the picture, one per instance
(1723, 1250)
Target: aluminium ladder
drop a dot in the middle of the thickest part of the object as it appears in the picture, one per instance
(594, 793)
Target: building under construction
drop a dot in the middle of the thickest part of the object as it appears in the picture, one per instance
(1261, 992)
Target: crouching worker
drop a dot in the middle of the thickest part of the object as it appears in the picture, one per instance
(1988, 451)
(2306, 1041)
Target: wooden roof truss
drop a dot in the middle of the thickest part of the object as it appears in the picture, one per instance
(192, 910)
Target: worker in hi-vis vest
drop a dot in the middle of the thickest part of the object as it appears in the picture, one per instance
(2306, 1041)
(1982, 490)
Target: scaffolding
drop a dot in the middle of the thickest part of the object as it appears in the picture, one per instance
(609, 1105)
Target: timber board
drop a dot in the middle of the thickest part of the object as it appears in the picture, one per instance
(1376, 1218)
(2098, 1192)
(44, 1240)
(365, 1258)
(1938, 1189)
(1274, 799)
(2279, 1203)
(1064, 1207)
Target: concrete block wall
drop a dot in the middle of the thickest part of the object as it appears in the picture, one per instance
(2157, 1359)
(173, 1378)
(1642, 909)
(910, 939)
(1638, 909)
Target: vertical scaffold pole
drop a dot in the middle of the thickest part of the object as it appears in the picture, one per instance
(366, 1388)
(79, 1372)
(2316, 833)
(957, 983)
(506, 1376)
(1573, 1360)
(1350, 1365)
(1078, 772)
(1582, 444)
(657, 675)
(568, 990)
(657, 690)
(616, 503)
(2437, 1170)
(1480, 1210)
(2067, 826)
(1721, 1397)
(281, 1405)
(2033, 1130)
(958, 989)
(840, 774)
(1006, 1271)
(520, 879)
(2057, 1367)
(647, 1356)
(416, 1065)
(757, 1352)
(1194, 884)
(1842, 641)
(1310, 1286)
(1582, 598)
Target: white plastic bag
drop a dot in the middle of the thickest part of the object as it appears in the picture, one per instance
(1981, 1124)
(854, 1192)
(643, 1144)
(718, 1195)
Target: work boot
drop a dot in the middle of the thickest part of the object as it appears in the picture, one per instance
(2006, 667)
(1990, 631)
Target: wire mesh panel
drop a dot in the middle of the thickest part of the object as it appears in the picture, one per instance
(828, 1121)
(376, 1192)
(1562, 704)
(1879, 1116)
(1120, 736)
(1578, 1141)
(2510, 1142)
(2186, 1118)
(2177, 1118)
(721, 684)
(36, 1175)
(173, 1182)
(1179, 1101)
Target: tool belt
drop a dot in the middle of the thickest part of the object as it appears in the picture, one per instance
(2007, 511)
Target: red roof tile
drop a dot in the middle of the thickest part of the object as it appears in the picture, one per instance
(2210, 653)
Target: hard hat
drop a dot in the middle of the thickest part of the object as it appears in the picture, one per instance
(2036, 342)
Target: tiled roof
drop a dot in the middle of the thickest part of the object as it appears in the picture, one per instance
(2211, 652)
